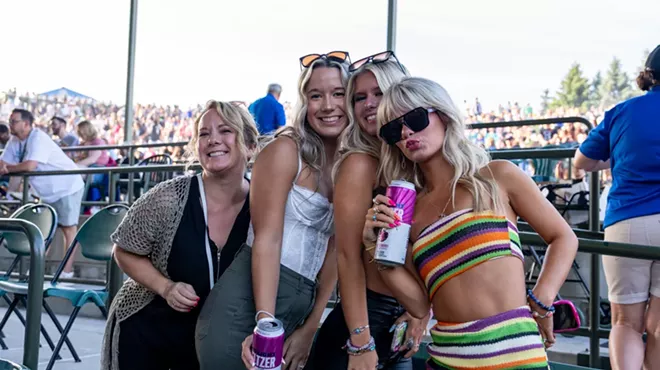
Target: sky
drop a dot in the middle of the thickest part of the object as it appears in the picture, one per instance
(191, 51)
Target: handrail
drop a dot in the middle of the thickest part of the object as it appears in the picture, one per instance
(531, 122)
(35, 286)
(554, 153)
(81, 148)
(119, 169)
(602, 247)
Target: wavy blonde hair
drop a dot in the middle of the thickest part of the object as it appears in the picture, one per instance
(233, 116)
(310, 145)
(463, 155)
(353, 139)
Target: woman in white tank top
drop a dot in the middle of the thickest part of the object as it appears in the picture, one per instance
(288, 268)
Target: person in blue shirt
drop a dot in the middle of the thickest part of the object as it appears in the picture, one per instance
(628, 142)
(268, 112)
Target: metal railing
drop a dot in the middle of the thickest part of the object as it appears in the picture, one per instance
(532, 122)
(35, 286)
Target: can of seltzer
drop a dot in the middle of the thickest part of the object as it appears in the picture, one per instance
(268, 344)
(392, 243)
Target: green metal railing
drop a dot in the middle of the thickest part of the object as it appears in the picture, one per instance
(35, 286)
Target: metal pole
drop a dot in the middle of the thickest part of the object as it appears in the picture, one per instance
(594, 299)
(35, 287)
(128, 109)
(115, 274)
(131, 176)
(391, 25)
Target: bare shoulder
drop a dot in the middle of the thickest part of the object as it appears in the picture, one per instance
(278, 157)
(359, 166)
(502, 171)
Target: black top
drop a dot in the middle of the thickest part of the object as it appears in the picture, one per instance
(187, 261)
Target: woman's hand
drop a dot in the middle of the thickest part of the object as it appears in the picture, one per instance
(414, 332)
(546, 325)
(380, 216)
(246, 353)
(297, 347)
(180, 296)
(365, 361)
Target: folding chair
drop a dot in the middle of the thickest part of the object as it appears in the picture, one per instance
(45, 218)
(94, 239)
(9, 365)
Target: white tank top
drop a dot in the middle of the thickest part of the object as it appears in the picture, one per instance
(308, 225)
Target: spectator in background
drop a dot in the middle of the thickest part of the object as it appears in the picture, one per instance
(628, 141)
(268, 112)
(58, 127)
(4, 135)
(90, 137)
(30, 150)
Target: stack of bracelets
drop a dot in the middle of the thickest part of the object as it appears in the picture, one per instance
(550, 310)
(355, 350)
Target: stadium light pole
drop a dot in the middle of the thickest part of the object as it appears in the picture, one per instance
(391, 25)
(130, 71)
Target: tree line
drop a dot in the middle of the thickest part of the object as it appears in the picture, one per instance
(577, 91)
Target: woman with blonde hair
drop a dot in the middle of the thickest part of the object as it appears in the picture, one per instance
(465, 257)
(174, 243)
(367, 310)
(289, 247)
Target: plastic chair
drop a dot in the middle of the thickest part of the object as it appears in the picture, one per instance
(41, 215)
(8, 365)
(45, 218)
(94, 239)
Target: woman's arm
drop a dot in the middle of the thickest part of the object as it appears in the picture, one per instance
(179, 296)
(528, 203)
(273, 174)
(403, 281)
(91, 158)
(581, 161)
(352, 195)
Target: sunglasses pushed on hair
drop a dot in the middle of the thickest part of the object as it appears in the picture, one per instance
(376, 59)
(337, 56)
(416, 120)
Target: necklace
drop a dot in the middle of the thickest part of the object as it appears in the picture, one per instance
(442, 213)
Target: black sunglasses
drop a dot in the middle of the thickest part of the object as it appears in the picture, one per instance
(416, 120)
(375, 59)
(337, 56)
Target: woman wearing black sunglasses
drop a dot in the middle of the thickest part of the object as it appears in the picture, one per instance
(367, 309)
(287, 268)
(465, 258)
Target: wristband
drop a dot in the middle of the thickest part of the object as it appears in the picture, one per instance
(356, 351)
(359, 330)
(531, 296)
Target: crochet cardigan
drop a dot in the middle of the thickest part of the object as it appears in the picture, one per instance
(147, 230)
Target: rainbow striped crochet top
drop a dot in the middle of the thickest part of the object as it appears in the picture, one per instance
(460, 241)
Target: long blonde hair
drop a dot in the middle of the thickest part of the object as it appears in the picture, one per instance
(310, 144)
(353, 139)
(463, 155)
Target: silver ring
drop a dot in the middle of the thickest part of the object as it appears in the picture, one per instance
(301, 366)
(410, 343)
(376, 210)
(374, 217)
(375, 201)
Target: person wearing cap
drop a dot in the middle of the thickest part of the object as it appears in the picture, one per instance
(628, 142)
(268, 112)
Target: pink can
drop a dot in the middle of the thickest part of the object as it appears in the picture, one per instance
(392, 244)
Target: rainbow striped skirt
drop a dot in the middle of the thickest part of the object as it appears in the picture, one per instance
(509, 340)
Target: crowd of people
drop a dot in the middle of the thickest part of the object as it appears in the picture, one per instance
(171, 123)
(210, 255)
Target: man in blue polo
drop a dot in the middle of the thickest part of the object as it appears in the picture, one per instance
(268, 112)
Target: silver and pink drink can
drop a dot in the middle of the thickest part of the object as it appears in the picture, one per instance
(268, 344)
(392, 244)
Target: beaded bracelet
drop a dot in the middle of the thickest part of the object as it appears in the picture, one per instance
(531, 296)
(356, 351)
(359, 330)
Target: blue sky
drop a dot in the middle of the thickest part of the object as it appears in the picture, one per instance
(194, 50)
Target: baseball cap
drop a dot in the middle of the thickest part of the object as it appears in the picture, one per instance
(653, 61)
